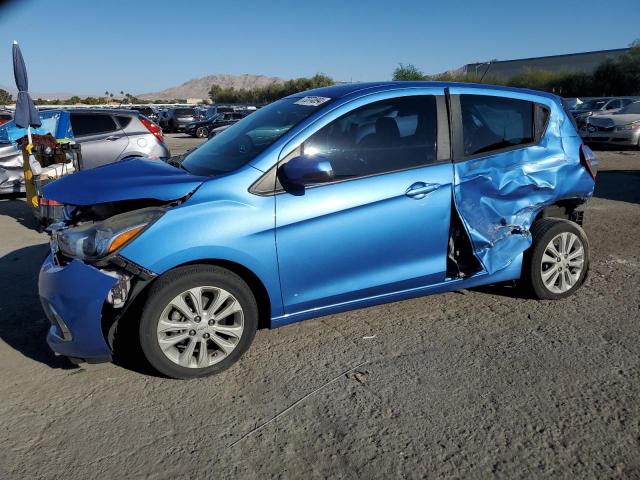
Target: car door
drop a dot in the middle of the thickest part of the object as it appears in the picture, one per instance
(382, 224)
(101, 139)
(505, 168)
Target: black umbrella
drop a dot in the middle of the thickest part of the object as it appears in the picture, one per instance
(26, 114)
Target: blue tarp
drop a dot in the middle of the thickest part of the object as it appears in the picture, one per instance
(55, 122)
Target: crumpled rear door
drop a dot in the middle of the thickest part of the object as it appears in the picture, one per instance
(499, 194)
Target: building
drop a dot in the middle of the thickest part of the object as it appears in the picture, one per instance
(585, 62)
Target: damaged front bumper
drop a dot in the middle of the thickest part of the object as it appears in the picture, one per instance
(73, 297)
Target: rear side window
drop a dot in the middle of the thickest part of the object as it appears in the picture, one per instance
(123, 120)
(380, 137)
(494, 123)
(91, 124)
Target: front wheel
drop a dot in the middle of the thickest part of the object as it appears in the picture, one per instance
(557, 263)
(197, 321)
(202, 132)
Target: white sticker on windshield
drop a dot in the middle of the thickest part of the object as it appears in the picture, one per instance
(312, 101)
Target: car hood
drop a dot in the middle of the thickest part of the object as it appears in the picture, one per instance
(130, 179)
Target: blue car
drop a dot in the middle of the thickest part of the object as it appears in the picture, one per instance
(322, 202)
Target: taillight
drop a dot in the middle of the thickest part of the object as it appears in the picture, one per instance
(589, 160)
(153, 128)
(45, 202)
(3, 121)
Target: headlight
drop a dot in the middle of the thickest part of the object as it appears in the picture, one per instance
(629, 126)
(92, 241)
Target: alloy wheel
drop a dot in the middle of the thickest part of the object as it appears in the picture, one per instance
(200, 327)
(562, 262)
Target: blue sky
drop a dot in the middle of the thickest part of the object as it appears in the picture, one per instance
(90, 46)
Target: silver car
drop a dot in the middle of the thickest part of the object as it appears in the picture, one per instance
(11, 169)
(621, 128)
(107, 136)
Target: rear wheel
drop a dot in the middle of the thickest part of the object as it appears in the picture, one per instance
(197, 321)
(557, 263)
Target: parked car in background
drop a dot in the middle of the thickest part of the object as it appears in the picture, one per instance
(217, 130)
(202, 128)
(621, 128)
(325, 201)
(107, 136)
(147, 111)
(598, 106)
(5, 116)
(11, 168)
(176, 119)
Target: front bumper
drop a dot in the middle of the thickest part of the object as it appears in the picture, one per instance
(622, 138)
(72, 297)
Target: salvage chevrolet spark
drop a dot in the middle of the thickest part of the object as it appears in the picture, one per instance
(325, 201)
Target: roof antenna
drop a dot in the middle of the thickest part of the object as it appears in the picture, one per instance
(485, 71)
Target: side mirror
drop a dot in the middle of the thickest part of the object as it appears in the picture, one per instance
(307, 170)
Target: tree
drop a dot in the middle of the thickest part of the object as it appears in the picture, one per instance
(5, 97)
(408, 72)
(214, 91)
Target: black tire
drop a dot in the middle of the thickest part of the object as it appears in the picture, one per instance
(202, 132)
(542, 232)
(172, 284)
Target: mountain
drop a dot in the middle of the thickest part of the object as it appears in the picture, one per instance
(199, 87)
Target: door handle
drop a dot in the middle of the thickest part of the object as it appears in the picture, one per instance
(112, 138)
(420, 189)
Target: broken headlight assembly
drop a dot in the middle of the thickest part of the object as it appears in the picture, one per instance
(95, 240)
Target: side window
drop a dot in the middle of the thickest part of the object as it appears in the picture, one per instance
(613, 104)
(124, 120)
(384, 136)
(493, 123)
(91, 124)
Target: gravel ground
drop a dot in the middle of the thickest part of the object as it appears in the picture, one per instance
(474, 384)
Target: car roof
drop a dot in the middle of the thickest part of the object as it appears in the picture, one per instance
(342, 90)
(110, 111)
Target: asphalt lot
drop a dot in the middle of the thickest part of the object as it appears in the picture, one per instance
(473, 384)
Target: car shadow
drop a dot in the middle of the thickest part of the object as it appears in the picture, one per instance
(620, 185)
(23, 325)
(506, 289)
(13, 205)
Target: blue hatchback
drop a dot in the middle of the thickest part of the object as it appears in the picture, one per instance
(324, 201)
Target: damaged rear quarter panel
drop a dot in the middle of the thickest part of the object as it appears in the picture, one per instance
(498, 196)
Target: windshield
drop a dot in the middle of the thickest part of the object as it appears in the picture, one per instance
(592, 105)
(631, 108)
(242, 142)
